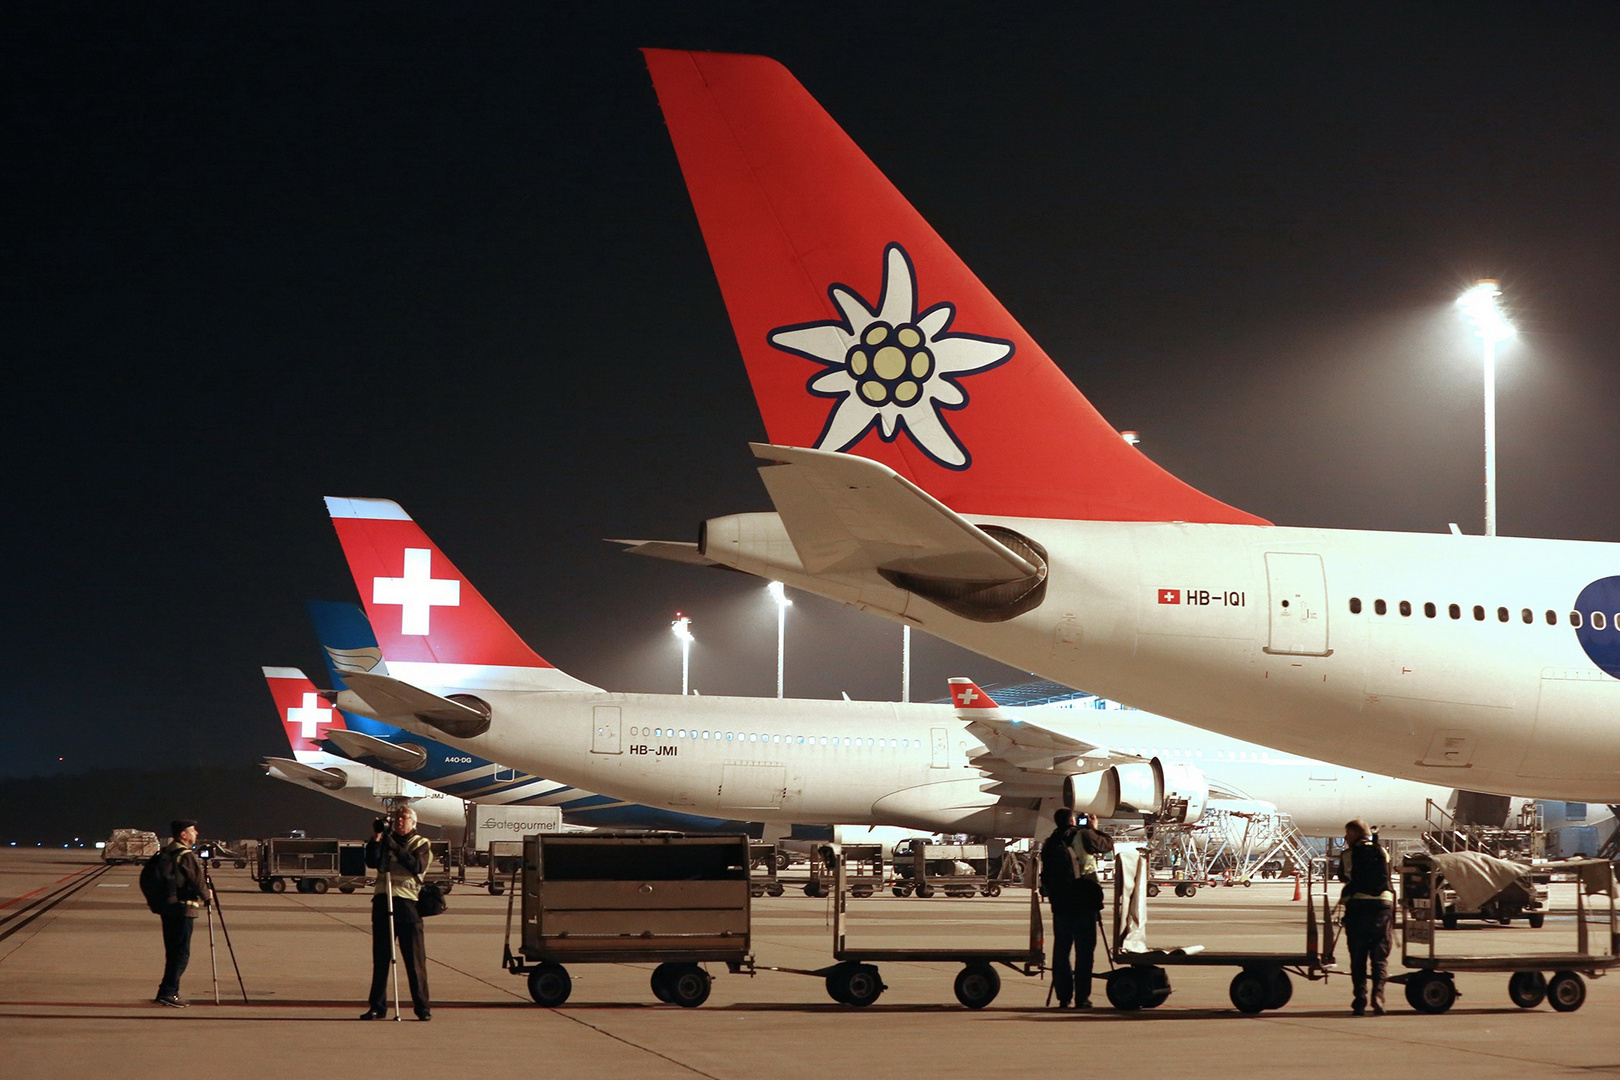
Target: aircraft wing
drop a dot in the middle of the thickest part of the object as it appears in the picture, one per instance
(672, 550)
(396, 757)
(846, 513)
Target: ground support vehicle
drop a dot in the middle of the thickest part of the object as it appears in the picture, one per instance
(674, 900)
(313, 866)
(503, 861)
(862, 865)
(1524, 898)
(1431, 987)
(853, 979)
(1186, 887)
(1137, 978)
(130, 845)
(763, 865)
(955, 869)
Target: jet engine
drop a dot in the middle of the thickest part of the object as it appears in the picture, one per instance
(1174, 792)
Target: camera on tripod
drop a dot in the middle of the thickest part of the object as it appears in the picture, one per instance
(379, 825)
(205, 852)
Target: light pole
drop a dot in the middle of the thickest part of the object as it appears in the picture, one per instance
(682, 627)
(1482, 307)
(779, 594)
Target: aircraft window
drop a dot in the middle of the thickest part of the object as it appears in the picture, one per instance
(705, 734)
(1501, 614)
(801, 740)
(1598, 621)
(1479, 613)
(1454, 611)
(1406, 607)
(846, 740)
(776, 738)
(753, 737)
(1575, 619)
(1552, 617)
(1379, 607)
(1528, 616)
(1355, 605)
(729, 736)
(824, 740)
(1428, 610)
(658, 733)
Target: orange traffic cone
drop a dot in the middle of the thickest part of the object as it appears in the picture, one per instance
(1297, 894)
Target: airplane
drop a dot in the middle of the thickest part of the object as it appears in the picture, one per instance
(449, 667)
(306, 719)
(930, 464)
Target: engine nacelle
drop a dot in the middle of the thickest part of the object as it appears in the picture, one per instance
(1141, 787)
(1094, 793)
(1185, 793)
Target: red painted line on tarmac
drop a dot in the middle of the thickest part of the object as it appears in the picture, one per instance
(42, 888)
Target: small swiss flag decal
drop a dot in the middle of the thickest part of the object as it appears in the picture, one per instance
(1169, 596)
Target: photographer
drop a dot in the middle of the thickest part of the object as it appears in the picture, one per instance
(402, 859)
(1069, 882)
(186, 896)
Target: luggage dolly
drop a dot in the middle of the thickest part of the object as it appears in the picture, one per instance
(1431, 988)
(854, 979)
(1140, 981)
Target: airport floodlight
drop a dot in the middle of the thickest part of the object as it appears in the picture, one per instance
(1482, 309)
(778, 592)
(682, 629)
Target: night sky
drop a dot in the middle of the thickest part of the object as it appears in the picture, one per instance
(256, 254)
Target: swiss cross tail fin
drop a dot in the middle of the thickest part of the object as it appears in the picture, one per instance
(422, 609)
(863, 332)
(306, 717)
(968, 697)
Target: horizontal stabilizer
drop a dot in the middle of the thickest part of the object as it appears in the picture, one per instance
(299, 773)
(847, 513)
(395, 757)
(669, 550)
(387, 698)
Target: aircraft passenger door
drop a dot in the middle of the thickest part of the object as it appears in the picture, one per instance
(1299, 614)
(942, 749)
(606, 722)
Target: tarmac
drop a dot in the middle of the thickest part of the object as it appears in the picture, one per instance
(80, 958)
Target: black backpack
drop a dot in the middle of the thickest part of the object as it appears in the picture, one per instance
(1057, 864)
(160, 882)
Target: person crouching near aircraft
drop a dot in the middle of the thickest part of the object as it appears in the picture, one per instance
(402, 858)
(1069, 882)
(1369, 909)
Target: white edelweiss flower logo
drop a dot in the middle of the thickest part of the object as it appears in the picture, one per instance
(890, 367)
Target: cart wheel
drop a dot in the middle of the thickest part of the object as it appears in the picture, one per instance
(774, 889)
(1250, 990)
(812, 889)
(550, 985)
(660, 981)
(1247, 883)
(1153, 888)
(992, 891)
(861, 891)
(688, 985)
(264, 886)
(1448, 919)
(1192, 891)
(855, 984)
(925, 891)
(345, 889)
(1280, 988)
(1505, 920)
(320, 886)
(1536, 919)
(1125, 990)
(977, 985)
(1527, 989)
(755, 891)
(781, 860)
(496, 888)
(1432, 992)
(1566, 992)
(1153, 986)
(278, 885)
(241, 864)
(447, 887)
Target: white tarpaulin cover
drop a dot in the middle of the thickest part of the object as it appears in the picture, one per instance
(1476, 877)
(1131, 879)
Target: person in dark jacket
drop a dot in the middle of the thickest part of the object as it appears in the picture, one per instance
(1369, 908)
(401, 858)
(1069, 881)
(190, 897)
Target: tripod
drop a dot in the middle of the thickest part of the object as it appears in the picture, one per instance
(213, 962)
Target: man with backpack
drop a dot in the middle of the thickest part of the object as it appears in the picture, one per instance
(176, 890)
(1069, 883)
(1369, 910)
(402, 857)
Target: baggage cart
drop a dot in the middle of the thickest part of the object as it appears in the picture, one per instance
(955, 869)
(862, 865)
(762, 867)
(675, 900)
(503, 860)
(854, 978)
(312, 865)
(1138, 979)
(130, 845)
(1431, 988)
